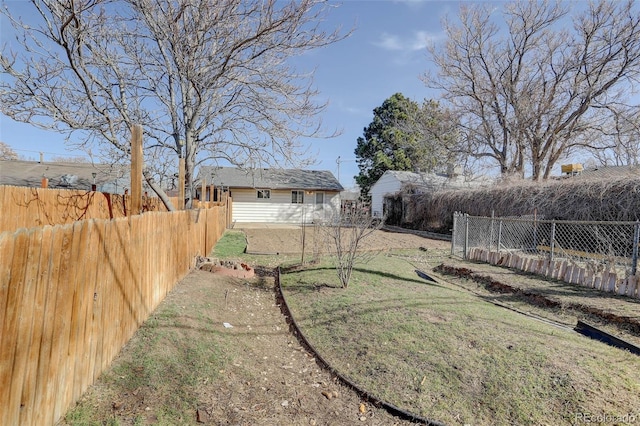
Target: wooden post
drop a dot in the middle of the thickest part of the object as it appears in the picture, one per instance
(181, 173)
(203, 191)
(136, 170)
(631, 286)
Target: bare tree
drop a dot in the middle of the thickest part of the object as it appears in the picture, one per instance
(620, 144)
(7, 153)
(527, 91)
(346, 233)
(207, 80)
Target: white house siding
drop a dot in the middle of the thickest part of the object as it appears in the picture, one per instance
(387, 184)
(279, 209)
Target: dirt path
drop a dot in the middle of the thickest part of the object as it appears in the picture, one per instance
(288, 240)
(271, 379)
(267, 377)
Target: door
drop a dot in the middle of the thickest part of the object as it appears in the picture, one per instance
(320, 207)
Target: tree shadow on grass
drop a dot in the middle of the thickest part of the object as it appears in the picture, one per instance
(430, 281)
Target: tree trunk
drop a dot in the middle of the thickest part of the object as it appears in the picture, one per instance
(158, 190)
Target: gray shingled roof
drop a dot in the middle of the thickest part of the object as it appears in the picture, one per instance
(609, 172)
(437, 181)
(63, 175)
(270, 178)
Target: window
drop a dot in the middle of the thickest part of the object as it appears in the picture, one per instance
(297, 197)
(264, 193)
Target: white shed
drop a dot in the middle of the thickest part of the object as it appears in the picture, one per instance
(277, 195)
(393, 181)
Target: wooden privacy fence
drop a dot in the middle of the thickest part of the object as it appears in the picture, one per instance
(24, 207)
(72, 295)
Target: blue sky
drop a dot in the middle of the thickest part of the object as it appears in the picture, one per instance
(385, 54)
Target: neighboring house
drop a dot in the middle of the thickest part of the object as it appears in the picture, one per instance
(275, 195)
(393, 182)
(63, 175)
(601, 172)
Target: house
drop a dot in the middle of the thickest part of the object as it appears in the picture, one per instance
(393, 182)
(600, 172)
(110, 178)
(275, 195)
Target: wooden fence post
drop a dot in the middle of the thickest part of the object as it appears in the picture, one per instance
(181, 178)
(136, 169)
(203, 190)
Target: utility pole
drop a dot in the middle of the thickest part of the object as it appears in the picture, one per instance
(338, 162)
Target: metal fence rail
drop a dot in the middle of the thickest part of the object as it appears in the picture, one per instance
(596, 247)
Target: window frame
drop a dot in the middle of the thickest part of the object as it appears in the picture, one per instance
(298, 198)
(264, 192)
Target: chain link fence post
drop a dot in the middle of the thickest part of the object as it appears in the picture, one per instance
(454, 234)
(466, 235)
(499, 235)
(552, 243)
(636, 237)
(492, 231)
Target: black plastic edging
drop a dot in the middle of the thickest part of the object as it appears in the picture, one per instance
(581, 327)
(611, 340)
(396, 411)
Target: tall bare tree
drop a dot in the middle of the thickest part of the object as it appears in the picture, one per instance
(206, 79)
(527, 90)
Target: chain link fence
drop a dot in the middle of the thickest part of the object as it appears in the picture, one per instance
(595, 247)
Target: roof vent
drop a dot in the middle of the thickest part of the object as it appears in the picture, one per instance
(68, 180)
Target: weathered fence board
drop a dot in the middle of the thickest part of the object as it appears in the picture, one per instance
(72, 295)
(24, 207)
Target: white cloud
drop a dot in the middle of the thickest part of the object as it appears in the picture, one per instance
(414, 4)
(389, 42)
(418, 41)
(421, 40)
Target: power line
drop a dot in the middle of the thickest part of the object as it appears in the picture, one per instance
(50, 153)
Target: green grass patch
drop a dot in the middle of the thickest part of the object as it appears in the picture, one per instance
(449, 355)
(231, 244)
(164, 367)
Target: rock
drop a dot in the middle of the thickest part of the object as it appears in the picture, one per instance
(285, 404)
(362, 408)
(201, 416)
(327, 394)
(209, 267)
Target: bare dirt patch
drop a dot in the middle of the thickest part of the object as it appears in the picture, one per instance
(289, 240)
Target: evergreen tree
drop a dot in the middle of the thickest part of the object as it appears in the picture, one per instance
(402, 136)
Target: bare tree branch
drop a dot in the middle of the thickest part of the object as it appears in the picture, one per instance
(529, 92)
(206, 80)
